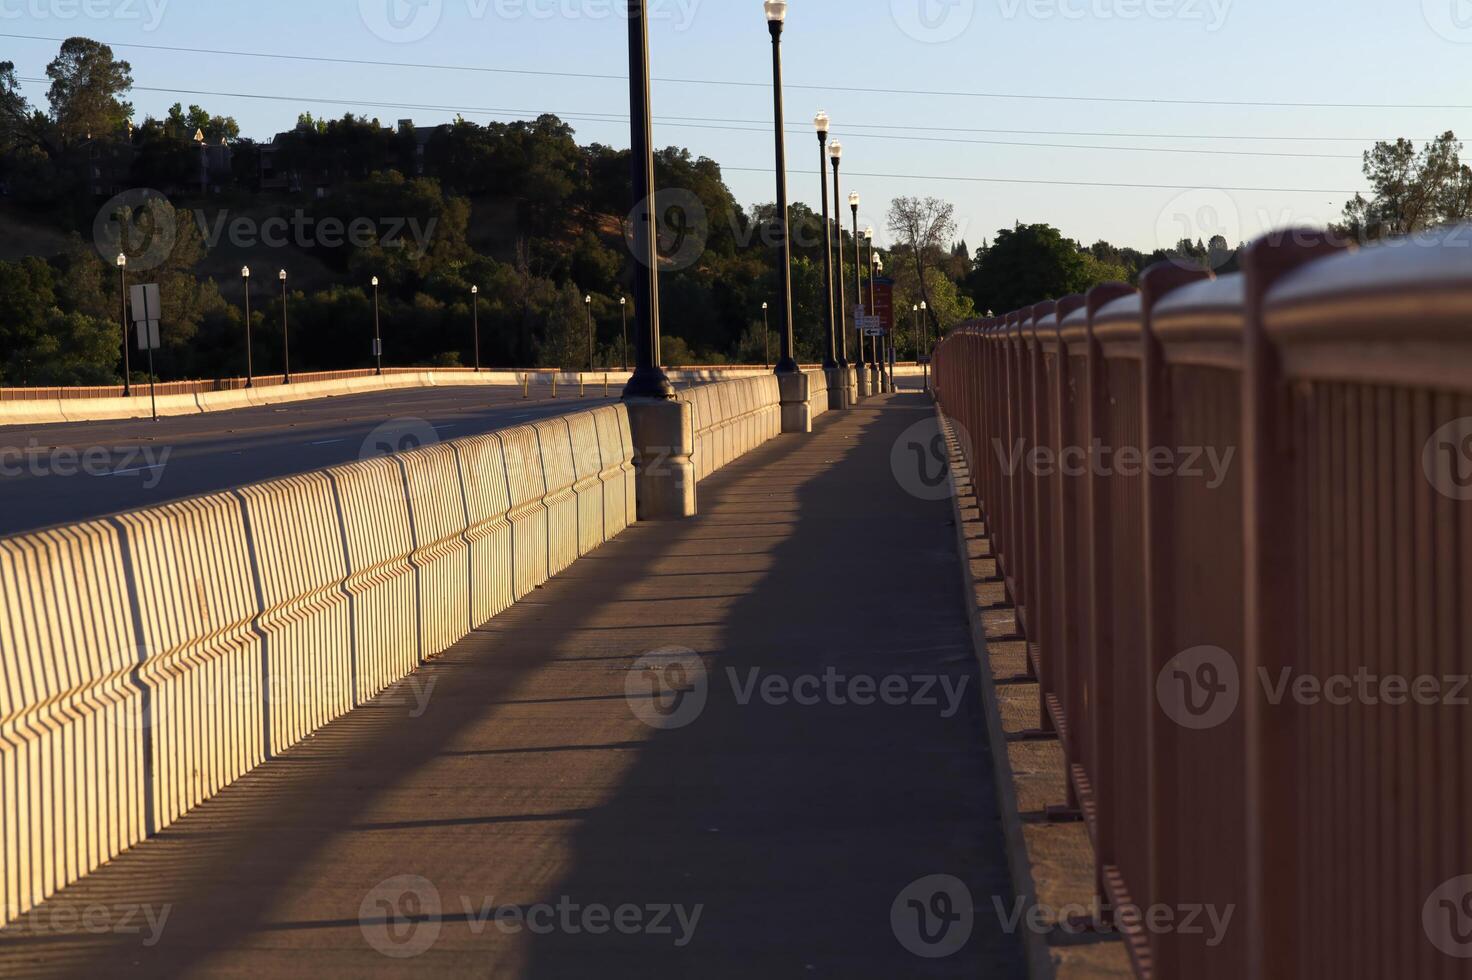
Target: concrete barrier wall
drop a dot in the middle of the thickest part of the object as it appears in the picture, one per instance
(150, 659)
(734, 417)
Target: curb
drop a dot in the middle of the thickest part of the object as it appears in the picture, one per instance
(1039, 957)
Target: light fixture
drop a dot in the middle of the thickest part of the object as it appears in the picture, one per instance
(475, 290)
(281, 275)
(122, 261)
(835, 151)
(853, 200)
(820, 121)
(245, 272)
(375, 282)
(776, 11)
(869, 234)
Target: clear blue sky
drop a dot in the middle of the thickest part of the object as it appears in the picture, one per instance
(1412, 52)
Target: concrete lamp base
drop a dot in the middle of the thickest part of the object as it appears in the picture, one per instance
(664, 441)
(838, 393)
(797, 413)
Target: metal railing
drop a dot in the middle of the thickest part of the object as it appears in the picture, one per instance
(1233, 517)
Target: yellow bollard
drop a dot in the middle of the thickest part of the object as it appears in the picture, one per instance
(554, 384)
(605, 384)
(582, 385)
(526, 386)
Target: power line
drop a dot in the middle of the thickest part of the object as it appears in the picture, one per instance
(756, 127)
(943, 93)
(1077, 183)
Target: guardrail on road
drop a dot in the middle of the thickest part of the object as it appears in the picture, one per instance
(1235, 519)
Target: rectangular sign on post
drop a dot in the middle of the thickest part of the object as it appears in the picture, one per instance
(145, 303)
(148, 335)
(871, 326)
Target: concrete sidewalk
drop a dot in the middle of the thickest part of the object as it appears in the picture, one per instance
(507, 813)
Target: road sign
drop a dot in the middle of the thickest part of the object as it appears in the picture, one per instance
(377, 348)
(874, 332)
(146, 304)
(148, 335)
(871, 326)
(924, 359)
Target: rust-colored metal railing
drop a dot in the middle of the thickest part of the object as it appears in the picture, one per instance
(1234, 516)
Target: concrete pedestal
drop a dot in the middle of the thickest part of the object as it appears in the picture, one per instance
(664, 440)
(851, 385)
(797, 414)
(861, 380)
(838, 397)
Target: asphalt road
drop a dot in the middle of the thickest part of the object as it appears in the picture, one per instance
(56, 474)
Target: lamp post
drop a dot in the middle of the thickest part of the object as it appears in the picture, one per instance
(250, 379)
(377, 335)
(925, 343)
(475, 322)
(623, 309)
(821, 123)
(835, 154)
(588, 309)
(853, 204)
(766, 339)
(776, 11)
(873, 341)
(123, 282)
(876, 267)
(648, 379)
(285, 332)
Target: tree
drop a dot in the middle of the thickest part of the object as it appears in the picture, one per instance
(43, 344)
(1032, 263)
(923, 229)
(87, 85)
(197, 120)
(1413, 190)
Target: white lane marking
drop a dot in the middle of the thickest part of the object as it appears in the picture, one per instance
(329, 442)
(447, 425)
(135, 470)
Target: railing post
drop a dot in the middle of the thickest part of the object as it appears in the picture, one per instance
(1274, 628)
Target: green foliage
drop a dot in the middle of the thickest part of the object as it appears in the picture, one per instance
(1032, 263)
(87, 89)
(1413, 190)
(45, 344)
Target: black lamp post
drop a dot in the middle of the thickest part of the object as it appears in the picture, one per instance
(285, 332)
(766, 339)
(377, 336)
(873, 308)
(623, 308)
(776, 11)
(835, 153)
(588, 309)
(649, 379)
(853, 204)
(475, 322)
(821, 123)
(250, 379)
(123, 282)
